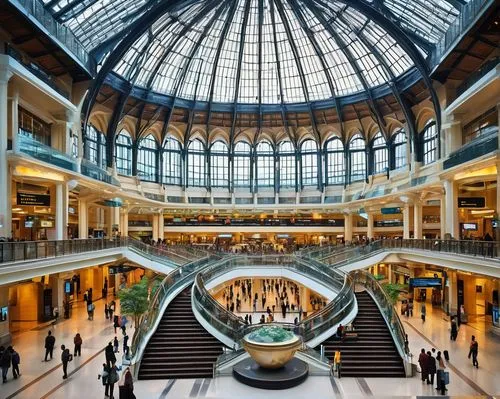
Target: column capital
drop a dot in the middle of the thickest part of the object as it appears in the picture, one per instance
(5, 75)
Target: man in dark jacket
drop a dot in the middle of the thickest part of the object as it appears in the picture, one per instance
(110, 355)
(65, 358)
(431, 367)
(5, 361)
(16, 359)
(422, 361)
(50, 341)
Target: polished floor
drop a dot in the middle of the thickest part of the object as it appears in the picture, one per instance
(44, 380)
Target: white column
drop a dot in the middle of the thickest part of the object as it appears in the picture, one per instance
(5, 181)
(498, 200)
(61, 211)
(161, 227)
(14, 121)
(451, 137)
(451, 196)
(406, 221)
(442, 216)
(83, 219)
(417, 220)
(155, 227)
(124, 225)
(369, 231)
(348, 227)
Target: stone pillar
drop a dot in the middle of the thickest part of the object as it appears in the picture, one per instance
(124, 223)
(348, 227)
(451, 136)
(61, 211)
(5, 179)
(161, 226)
(442, 216)
(83, 219)
(417, 220)
(451, 197)
(389, 273)
(14, 120)
(406, 221)
(370, 221)
(61, 135)
(155, 227)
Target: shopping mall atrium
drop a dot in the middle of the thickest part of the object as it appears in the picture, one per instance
(249, 198)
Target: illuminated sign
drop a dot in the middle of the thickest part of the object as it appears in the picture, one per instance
(29, 199)
(471, 202)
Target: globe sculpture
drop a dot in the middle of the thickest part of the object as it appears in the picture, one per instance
(271, 347)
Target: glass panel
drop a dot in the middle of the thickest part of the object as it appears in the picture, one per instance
(264, 170)
(196, 164)
(219, 165)
(123, 153)
(309, 163)
(147, 159)
(241, 166)
(335, 162)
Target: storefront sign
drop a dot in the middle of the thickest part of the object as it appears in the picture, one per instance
(390, 211)
(120, 269)
(30, 199)
(46, 223)
(425, 282)
(471, 202)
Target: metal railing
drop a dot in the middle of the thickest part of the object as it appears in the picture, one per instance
(476, 76)
(468, 15)
(171, 285)
(95, 172)
(33, 250)
(59, 32)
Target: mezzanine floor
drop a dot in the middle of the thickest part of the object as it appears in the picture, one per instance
(44, 380)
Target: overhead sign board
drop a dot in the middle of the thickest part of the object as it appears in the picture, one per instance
(29, 199)
(390, 211)
(471, 202)
(425, 282)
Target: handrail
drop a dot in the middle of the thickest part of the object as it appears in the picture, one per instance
(175, 281)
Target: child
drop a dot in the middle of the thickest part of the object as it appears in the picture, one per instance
(115, 344)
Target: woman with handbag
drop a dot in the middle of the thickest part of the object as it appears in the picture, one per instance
(113, 378)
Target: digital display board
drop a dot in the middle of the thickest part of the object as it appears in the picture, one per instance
(425, 282)
(33, 199)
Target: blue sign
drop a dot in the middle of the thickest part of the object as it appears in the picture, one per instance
(67, 287)
(496, 321)
(425, 282)
(390, 211)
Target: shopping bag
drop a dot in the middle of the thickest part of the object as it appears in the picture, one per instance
(446, 378)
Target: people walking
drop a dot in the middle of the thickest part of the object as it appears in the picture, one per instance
(65, 359)
(78, 345)
(106, 311)
(423, 311)
(50, 341)
(116, 322)
(474, 346)
(115, 345)
(125, 345)
(5, 362)
(127, 386)
(113, 378)
(16, 360)
(431, 368)
(422, 361)
(440, 382)
(110, 354)
(90, 310)
(453, 329)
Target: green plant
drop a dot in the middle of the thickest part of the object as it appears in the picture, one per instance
(379, 277)
(134, 300)
(393, 290)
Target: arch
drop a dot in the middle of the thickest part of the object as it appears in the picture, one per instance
(380, 154)
(147, 158)
(357, 158)
(264, 165)
(219, 164)
(423, 116)
(128, 125)
(334, 161)
(309, 162)
(172, 161)
(123, 153)
(241, 164)
(429, 138)
(196, 164)
(399, 142)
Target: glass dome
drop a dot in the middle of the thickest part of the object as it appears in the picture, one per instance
(259, 51)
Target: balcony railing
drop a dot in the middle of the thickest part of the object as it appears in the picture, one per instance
(476, 76)
(464, 21)
(95, 172)
(63, 35)
(42, 152)
(472, 150)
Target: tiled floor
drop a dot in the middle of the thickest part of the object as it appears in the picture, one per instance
(465, 380)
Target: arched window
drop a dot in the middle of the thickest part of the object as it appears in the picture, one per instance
(196, 166)
(265, 165)
(172, 162)
(219, 165)
(430, 141)
(147, 159)
(95, 146)
(380, 154)
(309, 163)
(335, 162)
(123, 153)
(241, 164)
(357, 159)
(400, 148)
(287, 160)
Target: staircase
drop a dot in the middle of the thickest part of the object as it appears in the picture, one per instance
(180, 347)
(373, 353)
